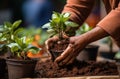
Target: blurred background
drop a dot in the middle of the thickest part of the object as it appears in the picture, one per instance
(32, 12)
(38, 12)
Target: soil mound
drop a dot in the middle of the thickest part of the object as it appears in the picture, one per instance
(50, 69)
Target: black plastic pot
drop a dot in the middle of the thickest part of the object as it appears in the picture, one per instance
(90, 52)
(2, 67)
(108, 55)
(20, 68)
(118, 66)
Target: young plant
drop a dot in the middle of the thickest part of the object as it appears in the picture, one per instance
(22, 46)
(83, 29)
(58, 24)
(109, 42)
(15, 40)
(8, 33)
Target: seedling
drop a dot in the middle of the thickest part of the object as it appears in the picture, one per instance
(59, 24)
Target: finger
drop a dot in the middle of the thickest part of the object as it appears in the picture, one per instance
(65, 36)
(65, 41)
(49, 42)
(71, 61)
(63, 55)
(73, 56)
(67, 59)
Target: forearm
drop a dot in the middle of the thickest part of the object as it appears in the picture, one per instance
(95, 34)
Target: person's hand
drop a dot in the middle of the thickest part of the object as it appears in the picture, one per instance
(77, 43)
(51, 41)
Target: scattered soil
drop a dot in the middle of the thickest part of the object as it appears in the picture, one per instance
(50, 69)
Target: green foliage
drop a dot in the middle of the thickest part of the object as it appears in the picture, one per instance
(22, 46)
(8, 33)
(14, 38)
(83, 29)
(117, 55)
(32, 31)
(58, 24)
(109, 42)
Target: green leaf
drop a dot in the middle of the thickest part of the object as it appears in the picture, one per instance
(7, 25)
(18, 54)
(33, 49)
(16, 24)
(14, 47)
(47, 25)
(50, 30)
(71, 24)
(29, 40)
(56, 20)
(117, 55)
(55, 15)
(2, 28)
(66, 15)
(18, 41)
(18, 32)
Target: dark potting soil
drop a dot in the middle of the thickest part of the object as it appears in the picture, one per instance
(49, 69)
(57, 48)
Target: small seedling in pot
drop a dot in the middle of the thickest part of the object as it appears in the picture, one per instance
(58, 25)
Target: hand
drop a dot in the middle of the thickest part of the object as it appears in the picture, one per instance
(51, 41)
(77, 43)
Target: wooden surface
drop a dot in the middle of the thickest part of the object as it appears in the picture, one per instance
(85, 77)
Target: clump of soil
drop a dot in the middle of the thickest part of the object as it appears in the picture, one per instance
(50, 69)
(57, 48)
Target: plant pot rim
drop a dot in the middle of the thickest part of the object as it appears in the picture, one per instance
(20, 61)
(93, 46)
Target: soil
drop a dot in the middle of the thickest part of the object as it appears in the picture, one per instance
(50, 69)
(57, 48)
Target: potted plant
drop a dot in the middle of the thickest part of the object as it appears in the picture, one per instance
(19, 59)
(5, 31)
(57, 26)
(18, 45)
(90, 51)
(108, 54)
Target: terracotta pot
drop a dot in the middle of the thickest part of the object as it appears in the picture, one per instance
(20, 68)
(89, 53)
(2, 67)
